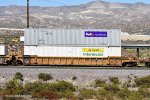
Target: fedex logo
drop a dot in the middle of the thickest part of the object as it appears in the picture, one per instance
(95, 34)
(89, 34)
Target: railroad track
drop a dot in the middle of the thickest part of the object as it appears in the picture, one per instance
(79, 67)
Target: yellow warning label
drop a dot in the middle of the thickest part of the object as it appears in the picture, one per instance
(92, 49)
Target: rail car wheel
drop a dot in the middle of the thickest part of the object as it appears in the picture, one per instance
(124, 64)
(19, 62)
(135, 64)
(147, 64)
(8, 62)
(129, 64)
(15, 63)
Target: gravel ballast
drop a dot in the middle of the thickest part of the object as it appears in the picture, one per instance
(83, 75)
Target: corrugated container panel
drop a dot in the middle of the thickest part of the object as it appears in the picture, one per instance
(2, 50)
(114, 51)
(72, 37)
(31, 37)
(41, 37)
(115, 40)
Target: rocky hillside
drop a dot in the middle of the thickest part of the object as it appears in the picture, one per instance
(131, 18)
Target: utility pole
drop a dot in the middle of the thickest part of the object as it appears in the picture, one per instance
(28, 14)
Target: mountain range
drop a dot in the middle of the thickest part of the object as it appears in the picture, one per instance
(130, 18)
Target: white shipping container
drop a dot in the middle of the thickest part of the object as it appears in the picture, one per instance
(30, 50)
(52, 51)
(2, 50)
(114, 51)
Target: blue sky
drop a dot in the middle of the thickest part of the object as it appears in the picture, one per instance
(60, 2)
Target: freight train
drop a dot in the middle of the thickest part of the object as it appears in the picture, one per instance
(81, 47)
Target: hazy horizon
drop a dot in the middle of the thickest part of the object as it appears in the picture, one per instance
(45, 3)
